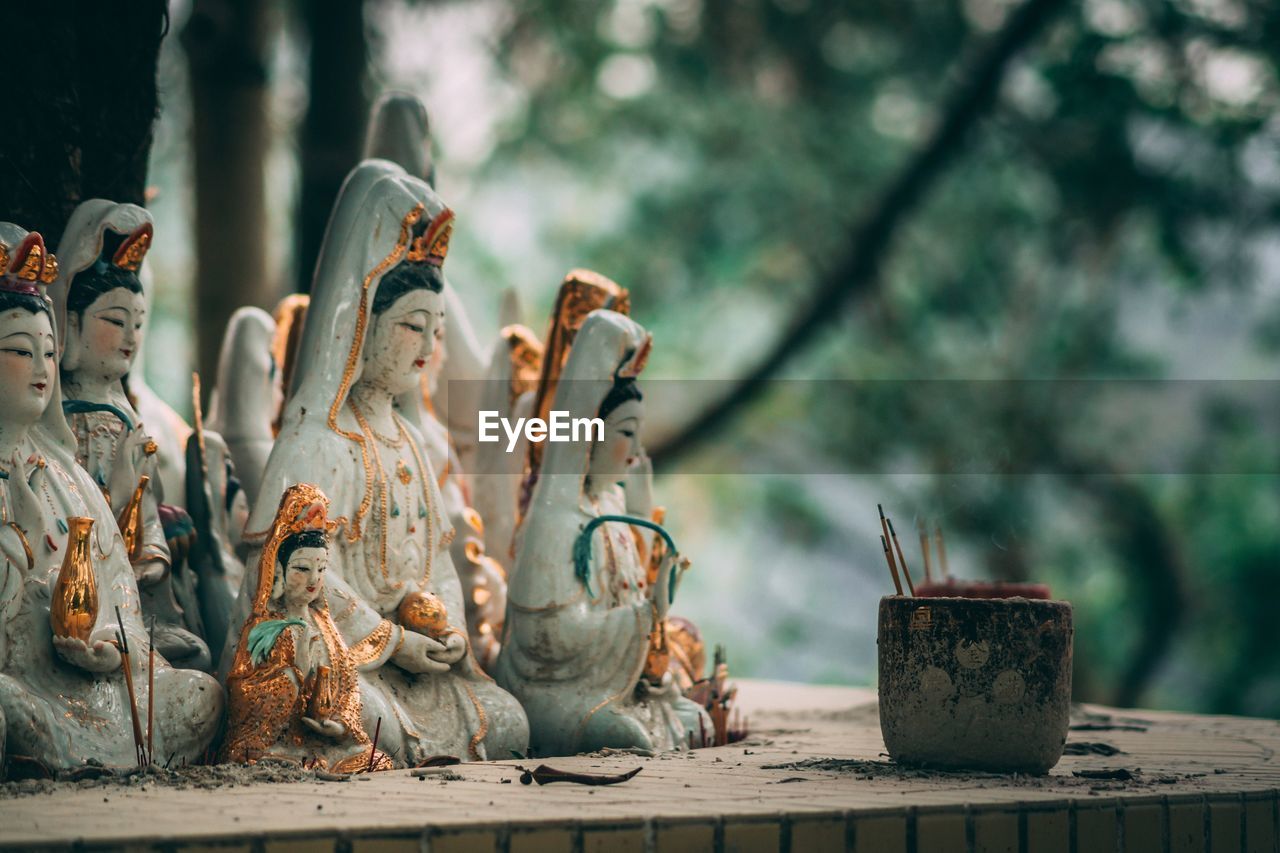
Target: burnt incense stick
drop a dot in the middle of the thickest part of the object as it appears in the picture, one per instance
(888, 558)
(902, 561)
(138, 743)
(373, 750)
(893, 567)
(943, 571)
(924, 549)
(151, 691)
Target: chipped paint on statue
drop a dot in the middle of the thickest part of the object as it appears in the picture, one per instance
(580, 616)
(63, 699)
(369, 333)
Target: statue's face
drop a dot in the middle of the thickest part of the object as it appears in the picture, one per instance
(27, 365)
(401, 341)
(304, 576)
(104, 340)
(621, 446)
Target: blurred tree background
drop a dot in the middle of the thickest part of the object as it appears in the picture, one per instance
(1009, 196)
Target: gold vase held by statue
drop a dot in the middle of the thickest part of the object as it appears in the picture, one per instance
(130, 521)
(74, 609)
(323, 701)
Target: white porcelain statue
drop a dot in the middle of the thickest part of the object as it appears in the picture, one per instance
(100, 308)
(293, 690)
(392, 588)
(63, 694)
(446, 412)
(247, 395)
(581, 607)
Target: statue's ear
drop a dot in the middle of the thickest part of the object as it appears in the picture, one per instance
(277, 586)
(71, 346)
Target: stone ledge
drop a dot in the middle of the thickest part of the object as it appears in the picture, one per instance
(1215, 789)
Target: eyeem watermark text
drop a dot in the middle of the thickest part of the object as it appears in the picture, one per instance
(558, 427)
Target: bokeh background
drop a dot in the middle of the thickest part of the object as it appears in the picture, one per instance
(889, 190)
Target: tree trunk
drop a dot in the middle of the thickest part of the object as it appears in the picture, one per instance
(333, 130)
(226, 43)
(82, 109)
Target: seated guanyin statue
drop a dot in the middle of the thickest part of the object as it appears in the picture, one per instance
(100, 309)
(672, 650)
(293, 691)
(370, 330)
(446, 413)
(64, 573)
(581, 607)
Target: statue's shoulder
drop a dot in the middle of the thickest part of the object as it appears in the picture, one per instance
(308, 455)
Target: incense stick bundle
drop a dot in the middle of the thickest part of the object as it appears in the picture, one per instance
(906, 573)
(924, 549)
(893, 567)
(123, 639)
(151, 691)
(893, 570)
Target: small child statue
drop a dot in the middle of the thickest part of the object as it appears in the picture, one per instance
(292, 689)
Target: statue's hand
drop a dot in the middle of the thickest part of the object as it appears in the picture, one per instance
(418, 654)
(638, 485)
(23, 502)
(452, 650)
(97, 656)
(150, 572)
(666, 578)
(328, 727)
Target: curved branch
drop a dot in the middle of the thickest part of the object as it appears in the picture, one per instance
(858, 270)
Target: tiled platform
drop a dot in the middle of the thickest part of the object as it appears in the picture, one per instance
(1204, 784)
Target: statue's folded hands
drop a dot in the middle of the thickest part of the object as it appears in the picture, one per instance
(328, 727)
(420, 654)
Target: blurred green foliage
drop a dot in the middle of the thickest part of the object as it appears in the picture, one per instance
(1127, 176)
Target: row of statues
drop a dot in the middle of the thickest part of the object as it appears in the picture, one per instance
(332, 569)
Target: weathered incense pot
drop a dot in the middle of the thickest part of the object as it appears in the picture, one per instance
(293, 690)
(66, 585)
(982, 684)
(100, 306)
(370, 330)
(581, 608)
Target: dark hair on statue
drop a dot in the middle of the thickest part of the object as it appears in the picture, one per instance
(101, 276)
(624, 390)
(404, 277)
(302, 539)
(30, 302)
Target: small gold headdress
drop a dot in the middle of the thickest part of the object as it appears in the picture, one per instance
(29, 267)
(432, 244)
(133, 250)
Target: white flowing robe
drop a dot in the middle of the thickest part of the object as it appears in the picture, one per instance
(460, 712)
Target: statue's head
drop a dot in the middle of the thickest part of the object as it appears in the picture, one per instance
(301, 562)
(106, 308)
(28, 360)
(623, 414)
(407, 314)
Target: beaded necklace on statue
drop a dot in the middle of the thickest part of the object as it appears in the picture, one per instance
(388, 505)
